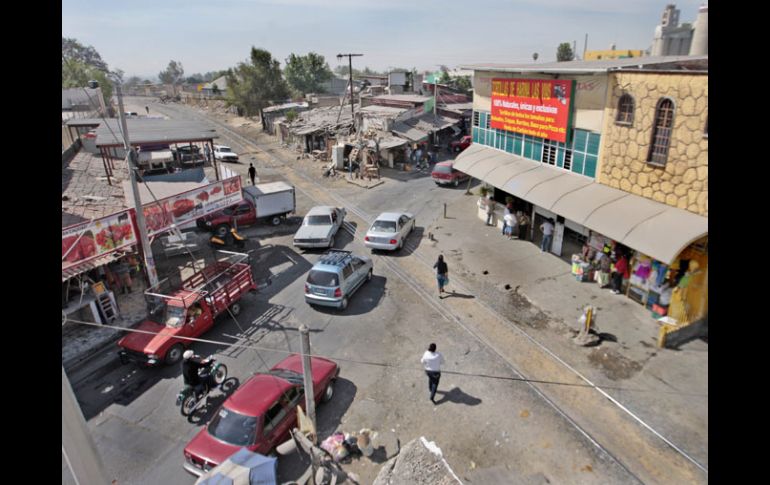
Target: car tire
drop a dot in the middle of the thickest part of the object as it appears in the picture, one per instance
(222, 230)
(235, 309)
(328, 392)
(275, 220)
(331, 243)
(400, 245)
(344, 303)
(369, 276)
(174, 354)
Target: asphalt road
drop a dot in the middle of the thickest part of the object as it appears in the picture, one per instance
(480, 423)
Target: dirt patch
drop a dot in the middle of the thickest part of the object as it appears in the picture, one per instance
(614, 365)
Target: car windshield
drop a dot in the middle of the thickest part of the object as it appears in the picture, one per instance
(384, 226)
(233, 428)
(322, 278)
(224, 149)
(318, 220)
(174, 316)
(442, 169)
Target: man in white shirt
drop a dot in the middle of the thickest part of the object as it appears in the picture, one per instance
(547, 229)
(432, 361)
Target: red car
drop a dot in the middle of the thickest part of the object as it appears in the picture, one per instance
(444, 174)
(260, 413)
(461, 144)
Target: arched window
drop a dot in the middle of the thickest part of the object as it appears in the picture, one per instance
(625, 110)
(661, 132)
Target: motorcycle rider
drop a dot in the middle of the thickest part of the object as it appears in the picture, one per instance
(191, 364)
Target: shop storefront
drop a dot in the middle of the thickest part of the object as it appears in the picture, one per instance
(665, 247)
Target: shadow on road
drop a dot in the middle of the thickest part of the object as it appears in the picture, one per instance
(454, 294)
(203, 414)
(458, 396)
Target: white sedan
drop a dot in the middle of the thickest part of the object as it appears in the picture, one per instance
(389, 230)
(225, 154)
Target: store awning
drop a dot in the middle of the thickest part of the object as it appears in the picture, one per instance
(79, 269)
(653, 228)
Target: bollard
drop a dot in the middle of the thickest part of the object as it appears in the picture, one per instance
(444, 210)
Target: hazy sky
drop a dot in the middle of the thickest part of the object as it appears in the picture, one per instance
(141, 36)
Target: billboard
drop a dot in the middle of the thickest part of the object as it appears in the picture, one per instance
(535, 107)
(188, 206)
(88, 240)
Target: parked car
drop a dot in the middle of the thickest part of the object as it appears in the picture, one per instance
(461, 144)
(260, 413)
(444, 174)
(319, 227)
(335, 277)
(270, 202)
(389, 230)
(224, 153)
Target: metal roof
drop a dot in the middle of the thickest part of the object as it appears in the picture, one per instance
(603, 65)
(412, 98)
(655, 229)
(149, 130)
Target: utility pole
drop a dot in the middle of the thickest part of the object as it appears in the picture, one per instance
(350, 75)
(149, 261)
(307, 373)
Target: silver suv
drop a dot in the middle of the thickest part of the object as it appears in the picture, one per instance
(335, 277)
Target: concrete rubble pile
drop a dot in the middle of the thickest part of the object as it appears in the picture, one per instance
(420, 461)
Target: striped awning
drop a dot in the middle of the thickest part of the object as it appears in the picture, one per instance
(653, 228)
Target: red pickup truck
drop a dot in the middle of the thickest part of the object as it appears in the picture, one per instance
(188, 311)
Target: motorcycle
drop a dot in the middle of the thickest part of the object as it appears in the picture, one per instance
(212, 376)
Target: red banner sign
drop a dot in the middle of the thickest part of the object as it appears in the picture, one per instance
(188, 206)
(88, 240)
(535, 107)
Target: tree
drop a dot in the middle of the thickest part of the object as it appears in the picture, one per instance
(564, 52)
(195, 79)
(445, 78)
(80, 64)
(72, 50)
(252, 85)
(462, 83)
(307, 74)
(173, 74)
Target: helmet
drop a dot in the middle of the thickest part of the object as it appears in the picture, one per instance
(188, 354)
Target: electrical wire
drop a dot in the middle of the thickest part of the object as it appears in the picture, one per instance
(372, 363)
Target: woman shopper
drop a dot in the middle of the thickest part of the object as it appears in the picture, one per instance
(442, 274)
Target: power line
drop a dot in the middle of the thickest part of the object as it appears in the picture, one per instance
(372, 363)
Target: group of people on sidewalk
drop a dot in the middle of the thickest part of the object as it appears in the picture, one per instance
(515, 223)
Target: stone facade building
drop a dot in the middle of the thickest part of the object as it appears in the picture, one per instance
(682, 180)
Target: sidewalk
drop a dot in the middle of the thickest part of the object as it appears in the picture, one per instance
(537, 293)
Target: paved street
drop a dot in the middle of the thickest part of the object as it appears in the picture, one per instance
(486, 417)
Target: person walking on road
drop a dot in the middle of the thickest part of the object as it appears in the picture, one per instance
(621, 273)
(547, 229)
(252, 174)
(442, 274)
(511, 225)
(207, 151)
(148, 109)
(432, 362)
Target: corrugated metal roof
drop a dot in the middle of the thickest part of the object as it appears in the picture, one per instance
(602, 65)
(412, 98)
(73, 271)
(408, 132)
(149, 130)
